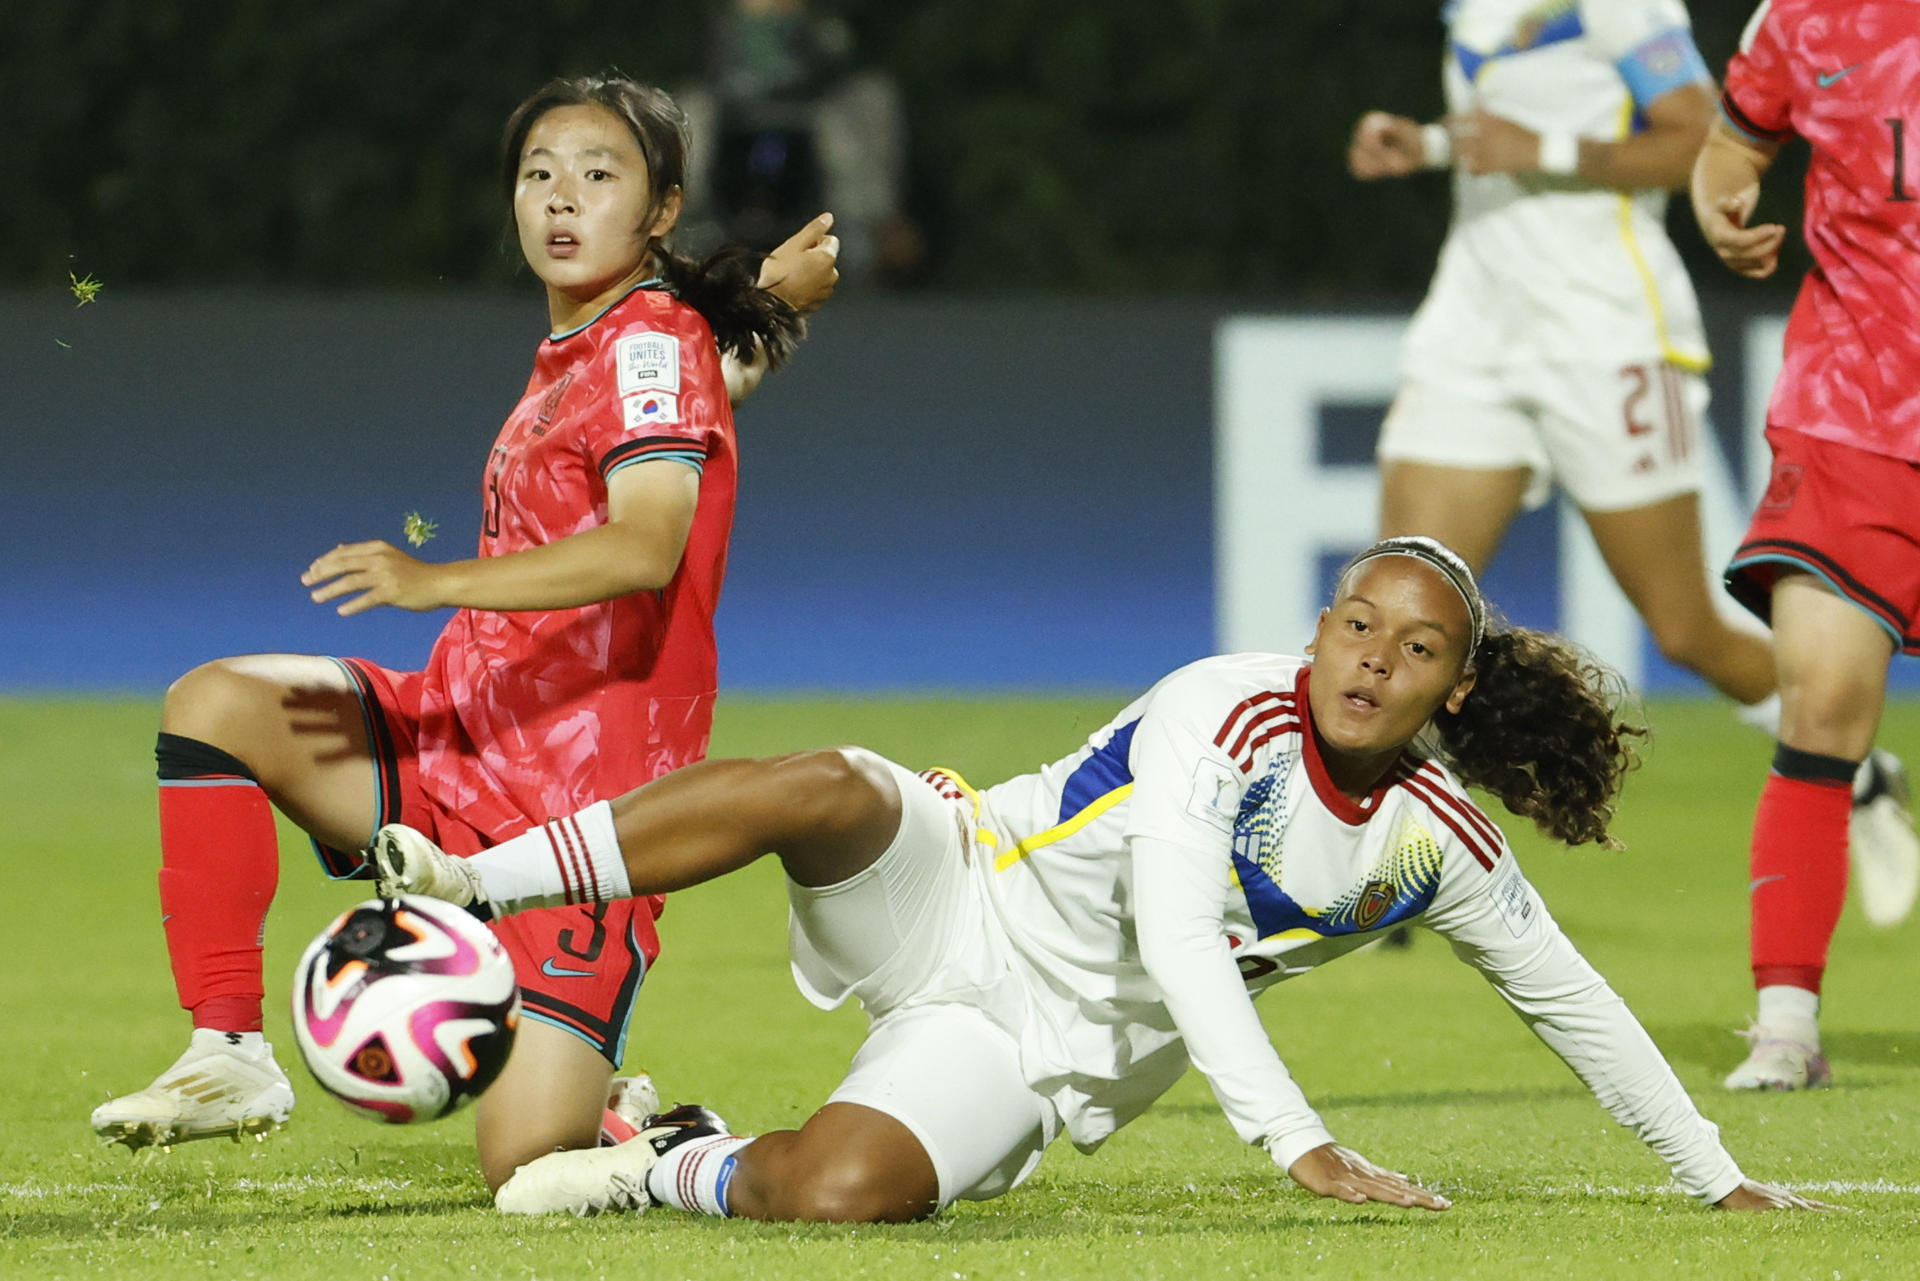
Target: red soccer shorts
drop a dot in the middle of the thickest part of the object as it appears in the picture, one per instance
(1850, 516)
(580, 967)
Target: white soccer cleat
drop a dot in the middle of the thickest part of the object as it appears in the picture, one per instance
(596, 1180)
(405, 862)
(214, 1090)
(1885, 849)
(633, 1099)
(583, 1181)
(1780, 1063)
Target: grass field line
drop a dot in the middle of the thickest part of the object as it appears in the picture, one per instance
(1830, 1187)
(304, 1183)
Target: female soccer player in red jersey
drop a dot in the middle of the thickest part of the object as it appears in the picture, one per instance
(579, 665)
(1832, 557)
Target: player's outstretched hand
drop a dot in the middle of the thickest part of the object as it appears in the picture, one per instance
(1762, 1196)
(1753, 252)
(380, 574)
(805, 267)
(1343, 1174)
(1385, 146)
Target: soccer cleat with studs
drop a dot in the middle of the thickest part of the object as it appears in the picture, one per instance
(597, 1180)
(405, 862)
(215, 1090)
(1882, 843)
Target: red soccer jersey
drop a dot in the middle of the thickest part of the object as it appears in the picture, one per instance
(1845, 75)
(532, 714)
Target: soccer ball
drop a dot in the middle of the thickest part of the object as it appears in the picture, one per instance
(405, 1008)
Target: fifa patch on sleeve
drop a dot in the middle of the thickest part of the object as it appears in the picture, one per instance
(1511, 900)
(1215, 798)
(648, 362)
(651, 407)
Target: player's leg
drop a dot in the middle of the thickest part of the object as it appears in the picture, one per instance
(1458, 460)
(1655, 553)
(237, 737)
(828, 815)
(1833, 660)
(549, 1098)
(580, 970)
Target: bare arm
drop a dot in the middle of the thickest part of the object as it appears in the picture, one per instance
(1390, 146)
(1659, 156)
(802, 273)
(1726, 187)
(650, 509)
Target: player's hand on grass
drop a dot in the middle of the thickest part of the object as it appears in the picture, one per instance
(1343, 1174)
(1753, 252)
(804, 268)
(1385, 146)
(1761, 1196)
(1484, 143)
(375, 573)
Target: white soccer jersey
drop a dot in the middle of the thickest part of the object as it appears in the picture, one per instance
(1195, 851)
(1540, 267)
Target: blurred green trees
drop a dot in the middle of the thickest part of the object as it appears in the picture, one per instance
(1184, 146)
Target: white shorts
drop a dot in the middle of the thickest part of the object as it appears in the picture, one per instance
(1614, 437)
(914, 938)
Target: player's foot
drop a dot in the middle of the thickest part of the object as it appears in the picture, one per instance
(1780, 1063)
(596, 1180)
(1881, 840)
(405, 862)
(630, 1101)
(216, 1089)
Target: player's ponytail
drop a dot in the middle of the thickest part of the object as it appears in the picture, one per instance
(722, 288)
(1541, 731)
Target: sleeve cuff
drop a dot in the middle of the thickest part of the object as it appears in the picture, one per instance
(1723, 1181)
(1289, 1147)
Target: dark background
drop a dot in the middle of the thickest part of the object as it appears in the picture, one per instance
(999, 474)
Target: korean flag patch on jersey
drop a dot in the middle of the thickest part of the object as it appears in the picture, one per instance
(648, 362)
(650, 407)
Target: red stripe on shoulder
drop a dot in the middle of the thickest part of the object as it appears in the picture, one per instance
(1242, 708)
(1440, 806)
(1445, 785)
(1289, 724)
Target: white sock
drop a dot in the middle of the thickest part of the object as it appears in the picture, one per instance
(566, 860)
(247, 1045)
(1763, 715)
(695, 1175)
(1790, 1012)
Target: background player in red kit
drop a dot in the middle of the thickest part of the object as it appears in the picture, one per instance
(1832, 558)
(580, 663)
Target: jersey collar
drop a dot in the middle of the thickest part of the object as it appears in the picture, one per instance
(1338, 803)
(652, 282)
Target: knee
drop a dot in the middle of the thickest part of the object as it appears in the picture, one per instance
(209, 703)
(851, 1189)
(1828, 713)
(844, 792)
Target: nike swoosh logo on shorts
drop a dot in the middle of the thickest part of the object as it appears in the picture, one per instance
(1828, 79)
(1777, 876)
(552, 971)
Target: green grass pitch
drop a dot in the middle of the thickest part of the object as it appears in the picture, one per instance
(1410, 1057)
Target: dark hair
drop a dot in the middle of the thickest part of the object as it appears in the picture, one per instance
(1540, 728)
(1542, 731)
(722, 288)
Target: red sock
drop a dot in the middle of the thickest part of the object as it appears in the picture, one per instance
(219, 866)
(1799, 877)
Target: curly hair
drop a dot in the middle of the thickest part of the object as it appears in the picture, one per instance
(724, 287)
(1542, 731)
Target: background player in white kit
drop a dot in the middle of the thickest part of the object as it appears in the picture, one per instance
(1047, 956)
(1560, 341)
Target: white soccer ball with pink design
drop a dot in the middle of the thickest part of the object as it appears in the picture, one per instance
(405, 1008)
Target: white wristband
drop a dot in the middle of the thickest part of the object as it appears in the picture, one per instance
(1560, 153)
(1436, 146)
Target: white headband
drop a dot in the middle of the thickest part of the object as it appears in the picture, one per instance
(1443, 558)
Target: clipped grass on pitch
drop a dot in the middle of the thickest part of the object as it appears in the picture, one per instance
(1408, 1054)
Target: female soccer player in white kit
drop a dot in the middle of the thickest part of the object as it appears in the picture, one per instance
(1560, 341)
(1046, 956)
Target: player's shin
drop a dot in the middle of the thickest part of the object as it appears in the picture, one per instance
(696, 1175)
(565, 860)
(219, 867)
